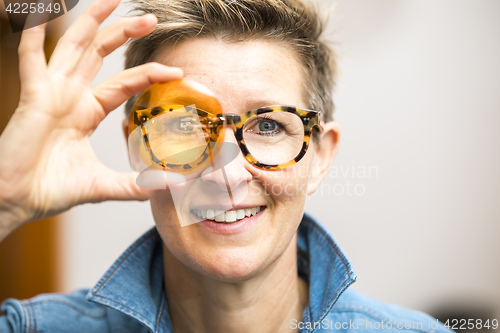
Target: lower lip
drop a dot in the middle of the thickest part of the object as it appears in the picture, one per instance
(231, 228)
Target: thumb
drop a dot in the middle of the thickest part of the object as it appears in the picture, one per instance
(114, 185)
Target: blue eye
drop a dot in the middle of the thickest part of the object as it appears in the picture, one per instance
(267, 125)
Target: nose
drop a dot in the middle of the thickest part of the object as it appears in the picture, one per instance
(228, 172)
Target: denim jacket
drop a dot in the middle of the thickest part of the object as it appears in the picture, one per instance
(130, 296)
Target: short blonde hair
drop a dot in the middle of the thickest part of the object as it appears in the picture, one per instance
(295, 22)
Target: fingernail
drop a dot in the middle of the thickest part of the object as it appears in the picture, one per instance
(174, 71)
(150, 16)
(181, 72)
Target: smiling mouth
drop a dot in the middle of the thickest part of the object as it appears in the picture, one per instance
(226, 216)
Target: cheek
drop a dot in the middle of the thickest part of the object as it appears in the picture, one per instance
(165, 216)
(164, 213)
(175, 237)
(287, 187)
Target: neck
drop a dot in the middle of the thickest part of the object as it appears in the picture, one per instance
(264, 303)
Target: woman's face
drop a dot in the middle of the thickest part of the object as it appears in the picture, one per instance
(243, 76)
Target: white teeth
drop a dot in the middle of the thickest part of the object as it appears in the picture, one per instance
(226, 216)
(231, 216)
(221, 217)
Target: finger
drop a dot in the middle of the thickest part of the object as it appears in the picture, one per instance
(155, 179)
(119, 88)
(109, 39)
(119, 186)
(32, 62)
(71, 46)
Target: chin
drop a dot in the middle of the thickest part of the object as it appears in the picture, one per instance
(231, 268)
(231, 274)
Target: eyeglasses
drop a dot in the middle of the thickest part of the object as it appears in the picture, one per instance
(187, 129)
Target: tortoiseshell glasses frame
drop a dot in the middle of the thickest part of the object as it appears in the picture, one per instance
(309, 118)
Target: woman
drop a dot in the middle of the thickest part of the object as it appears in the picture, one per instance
(211, 269)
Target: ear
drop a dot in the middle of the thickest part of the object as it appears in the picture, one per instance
(323, 155)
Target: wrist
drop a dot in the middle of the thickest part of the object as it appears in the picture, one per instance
(10, 217)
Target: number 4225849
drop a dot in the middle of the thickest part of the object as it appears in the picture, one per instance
(25, 8)
(477, 324)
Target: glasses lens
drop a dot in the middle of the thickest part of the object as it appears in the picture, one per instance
(177, 137)
(274, 137)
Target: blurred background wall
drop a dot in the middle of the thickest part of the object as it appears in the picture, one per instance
(418, 103)
(414, 193)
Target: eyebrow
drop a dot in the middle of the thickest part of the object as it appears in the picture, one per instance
(259, 103)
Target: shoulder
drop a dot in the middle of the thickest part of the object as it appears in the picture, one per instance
(365, 314)
(61, 313)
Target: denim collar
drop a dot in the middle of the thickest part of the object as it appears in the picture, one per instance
(133, 285)
(323, 264)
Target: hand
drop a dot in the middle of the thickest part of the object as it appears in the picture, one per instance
(47, 164)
